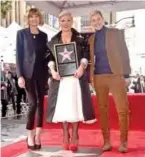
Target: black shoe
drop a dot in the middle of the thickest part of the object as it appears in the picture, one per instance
(3, 115)
(19, 116)
(37, 146)
(30, 147)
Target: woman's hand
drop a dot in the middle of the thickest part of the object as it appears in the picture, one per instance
(21, 82)
(55, 75)
(80, 71)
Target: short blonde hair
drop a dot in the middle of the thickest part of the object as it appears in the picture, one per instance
(35, 11)
(63, 13)
(96, 12)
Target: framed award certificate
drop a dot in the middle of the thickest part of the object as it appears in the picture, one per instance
(66, 59)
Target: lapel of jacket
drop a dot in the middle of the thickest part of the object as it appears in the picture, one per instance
(91, 43)
(55, 40)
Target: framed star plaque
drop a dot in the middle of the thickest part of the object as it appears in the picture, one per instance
(66, 59)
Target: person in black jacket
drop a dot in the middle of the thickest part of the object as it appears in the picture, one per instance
(69, 96)
(4, 95)
(32, 71)
(11, 89)
(21, 95)
(139, 85)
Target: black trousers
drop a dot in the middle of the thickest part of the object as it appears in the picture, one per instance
(35, 89)
(4, 107)
(11, 97)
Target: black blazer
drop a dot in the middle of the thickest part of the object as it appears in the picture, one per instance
(82, 52)
(81, 46)
(25, 53)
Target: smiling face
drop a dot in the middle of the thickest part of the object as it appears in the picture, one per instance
(34, 20)
(97, 21)
(35, 17)
(66, 22)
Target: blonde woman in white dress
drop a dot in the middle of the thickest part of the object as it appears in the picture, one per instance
(69, 98)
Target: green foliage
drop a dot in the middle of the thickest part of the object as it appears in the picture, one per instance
(5, 8)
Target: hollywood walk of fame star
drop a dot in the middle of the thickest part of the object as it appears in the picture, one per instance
(65, 54)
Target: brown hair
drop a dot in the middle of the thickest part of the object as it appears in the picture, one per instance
(95, 13)
(35, 11)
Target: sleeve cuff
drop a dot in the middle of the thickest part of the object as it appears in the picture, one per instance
(85, 62)
(51, 64)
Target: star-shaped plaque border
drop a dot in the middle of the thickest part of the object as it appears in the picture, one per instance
(66, 58)
(66, 54)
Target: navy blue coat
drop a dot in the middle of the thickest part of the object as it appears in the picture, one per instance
(26, 56)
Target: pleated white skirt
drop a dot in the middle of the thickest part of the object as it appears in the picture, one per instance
(69, 101)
